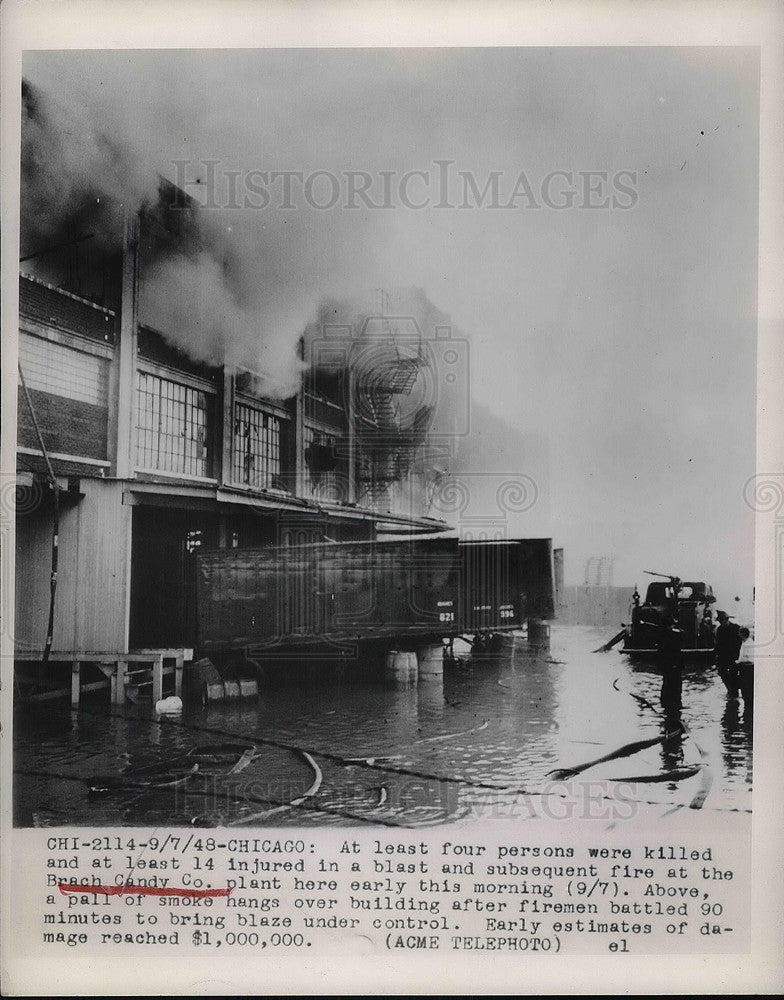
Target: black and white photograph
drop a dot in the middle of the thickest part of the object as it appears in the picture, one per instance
(395, 405)
(386, 472)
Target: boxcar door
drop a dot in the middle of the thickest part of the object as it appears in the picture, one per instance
(300, 582)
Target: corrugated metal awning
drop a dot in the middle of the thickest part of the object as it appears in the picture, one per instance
(206, 497)
(220, 499)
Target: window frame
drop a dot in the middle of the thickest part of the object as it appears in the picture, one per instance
(191, 384)
(265, 413)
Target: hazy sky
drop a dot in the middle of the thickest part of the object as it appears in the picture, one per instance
(626, 334)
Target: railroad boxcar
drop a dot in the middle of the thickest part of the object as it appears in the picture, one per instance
(327, 593)
(330, 596)
(504, 582)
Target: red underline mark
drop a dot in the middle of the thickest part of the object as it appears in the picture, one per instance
(139, 890)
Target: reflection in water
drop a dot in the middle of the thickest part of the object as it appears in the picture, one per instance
(737, 724)
(479, 743)
(672, 741)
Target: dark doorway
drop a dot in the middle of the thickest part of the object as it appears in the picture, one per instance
(162, 578)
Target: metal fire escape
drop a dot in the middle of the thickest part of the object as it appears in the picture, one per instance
(387, 438)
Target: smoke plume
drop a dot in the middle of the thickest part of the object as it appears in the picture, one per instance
(70, 171)
(218, 290)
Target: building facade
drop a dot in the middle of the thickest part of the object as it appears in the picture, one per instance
(156, 454)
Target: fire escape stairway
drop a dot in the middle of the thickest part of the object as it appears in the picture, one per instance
(403, 376)
(387, 444)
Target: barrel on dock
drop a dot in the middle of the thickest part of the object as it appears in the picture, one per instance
(204, 683)
(249, 687)
(231, 689)
(401, 667)
(430, 661)
(538, 635)
(502, 645)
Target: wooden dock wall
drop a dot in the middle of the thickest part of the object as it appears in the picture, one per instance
(91, 609)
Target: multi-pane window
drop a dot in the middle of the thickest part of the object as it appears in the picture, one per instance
(320, 480)
(173, 427)
(256, 455)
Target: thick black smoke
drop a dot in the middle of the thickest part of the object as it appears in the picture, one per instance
(208, 287)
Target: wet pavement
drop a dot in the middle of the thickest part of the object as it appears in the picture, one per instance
(497, 738)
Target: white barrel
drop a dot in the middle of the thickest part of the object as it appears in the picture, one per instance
(401, 667)
(249, 688)
(430, 660)
(212, 692)
(231, 689)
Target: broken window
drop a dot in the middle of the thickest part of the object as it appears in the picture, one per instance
(173, 427)
(257, 447)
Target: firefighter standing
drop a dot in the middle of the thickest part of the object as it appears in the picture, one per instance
(727, 651)
(671, 663)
